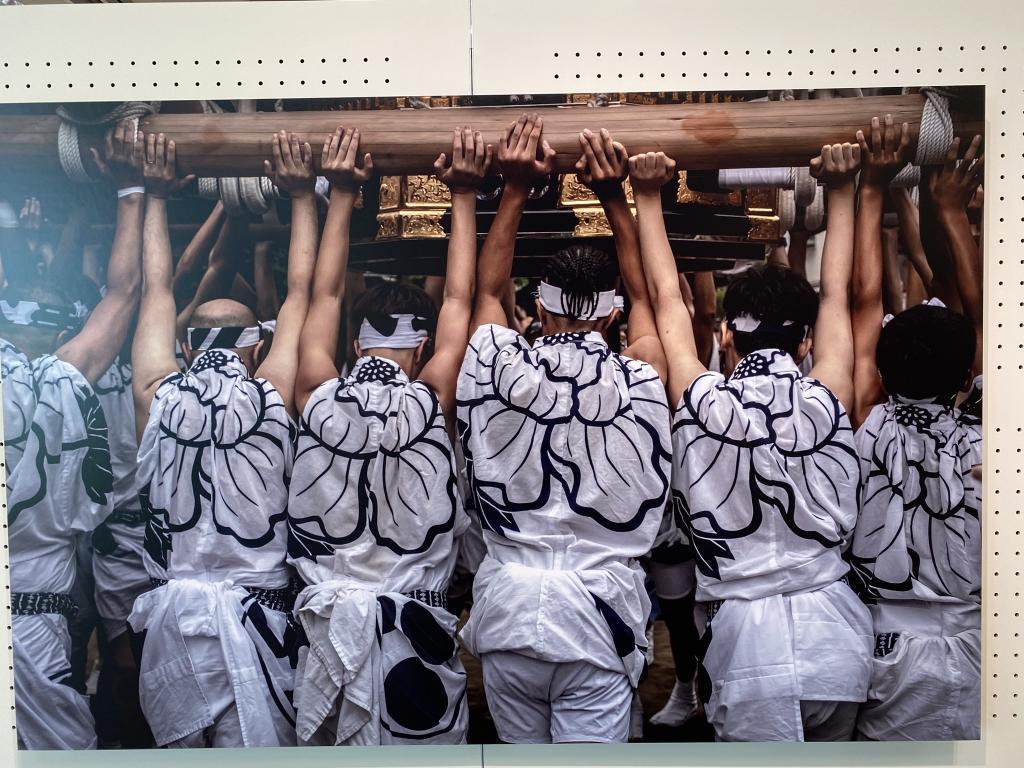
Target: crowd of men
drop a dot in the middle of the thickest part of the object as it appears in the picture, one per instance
(277, 540)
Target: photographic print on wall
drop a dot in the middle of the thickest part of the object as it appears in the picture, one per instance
(578, 417)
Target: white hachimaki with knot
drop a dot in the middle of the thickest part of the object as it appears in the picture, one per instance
(401, 331)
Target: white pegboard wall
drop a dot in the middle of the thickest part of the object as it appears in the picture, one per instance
(419, 48)
(228, 50)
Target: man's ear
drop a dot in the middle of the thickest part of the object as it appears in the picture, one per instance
(63, 337)
(258, 351)
(542, 314)
(727, 339)
(186, 350)
(357, 348)
(418, 352)
(805, 347)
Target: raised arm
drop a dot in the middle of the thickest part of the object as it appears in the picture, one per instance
(603, 167)
(910, 230)
(94, 348)
(836, 167)
(796, 253)
(220, 272)
(291, 168)
(882, 159)
(196, 253)
(648, 173)
(470, 161)
(951, 188)
(267, 302)
(318, 343)
(520, 165)
(705, 313)
(153, 349)
(67, 256)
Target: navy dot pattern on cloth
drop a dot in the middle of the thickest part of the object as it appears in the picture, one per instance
(424, 684)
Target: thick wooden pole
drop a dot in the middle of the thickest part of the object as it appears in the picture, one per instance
(697, 136)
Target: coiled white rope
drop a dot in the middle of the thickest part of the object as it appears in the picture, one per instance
(787, 210)
(69, 154)
(208, 188)
(814, 214)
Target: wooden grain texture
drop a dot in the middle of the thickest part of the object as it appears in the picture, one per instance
(697, 136)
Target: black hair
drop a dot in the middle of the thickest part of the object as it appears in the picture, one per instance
(35, 340)
(37, 289)
(773, 294)
(925, 353)
(581, 271)
(387, 298)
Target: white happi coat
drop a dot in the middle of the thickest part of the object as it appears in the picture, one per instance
(374, 514)
(58, 487)
(567, 449)
(917, 553)
(766, 476)
(214, 466)
(117, 543)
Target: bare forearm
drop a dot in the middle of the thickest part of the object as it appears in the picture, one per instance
(867, 272)
(892, 297)
(156, 246)
(332, 263)
(797, 251)
(201, 243)
(67, 258)
(627, 247)
(124, 273)
(267, 302)
(303, 245)
(495, 264)
(460, 272)
(837, 255)
(966, 261)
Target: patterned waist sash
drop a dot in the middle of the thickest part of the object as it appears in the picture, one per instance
(36, 603)
(282, 599)
(429, 597)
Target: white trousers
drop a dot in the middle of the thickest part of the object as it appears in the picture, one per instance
(544, 702)
(925, 689)
(49, 714)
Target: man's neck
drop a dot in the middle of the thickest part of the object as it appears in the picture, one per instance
(403, 358)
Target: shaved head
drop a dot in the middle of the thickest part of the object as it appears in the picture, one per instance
(225, 313)
(222, 313)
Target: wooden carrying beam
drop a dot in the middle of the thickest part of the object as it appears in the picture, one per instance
(696, 136)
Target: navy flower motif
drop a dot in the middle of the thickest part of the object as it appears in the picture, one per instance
(561, 415)
(765, 445)
(919, 531)
(373, 458)
(221, 445)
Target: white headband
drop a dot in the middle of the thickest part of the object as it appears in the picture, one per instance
(597, 306)
(234, 337)
(404, 335)
(34, 313)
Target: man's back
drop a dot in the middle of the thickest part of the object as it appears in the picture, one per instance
(374, 495)
(767, 474)
(567, 448)
(567, 451)
(919, 532)
(58, 467)
(214, 463)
